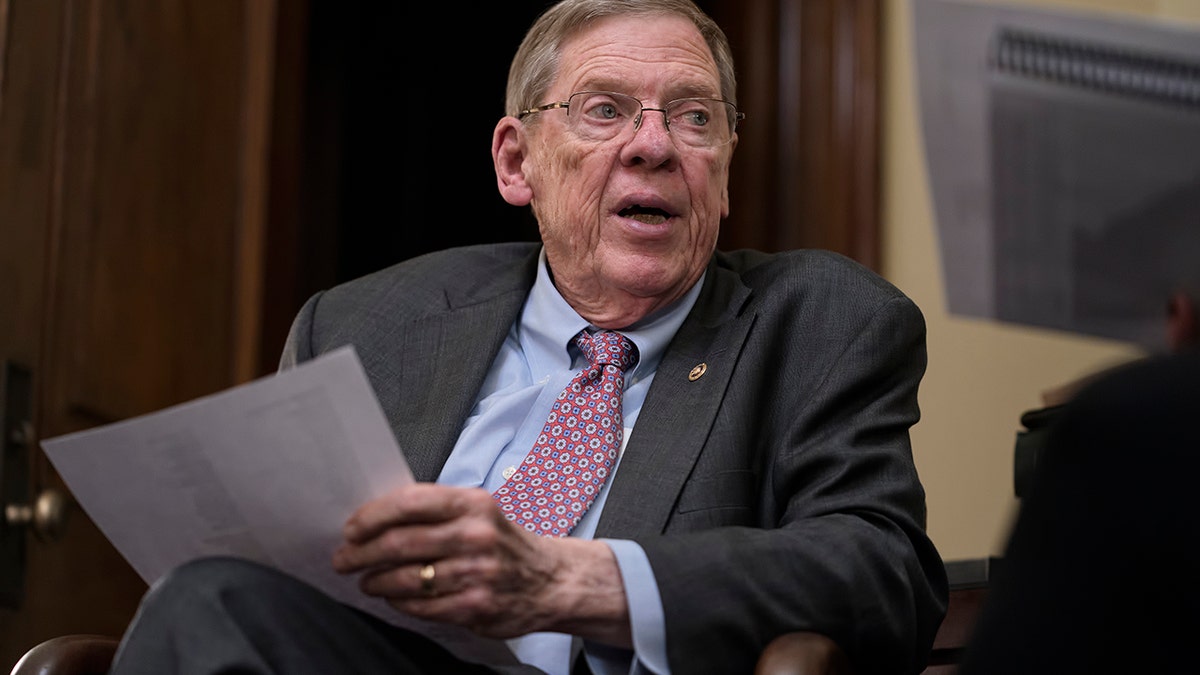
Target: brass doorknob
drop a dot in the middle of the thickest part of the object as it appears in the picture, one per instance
(47, 514)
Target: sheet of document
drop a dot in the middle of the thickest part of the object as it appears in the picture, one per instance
(267, 471)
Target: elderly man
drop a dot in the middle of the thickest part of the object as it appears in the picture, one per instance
(634, 453)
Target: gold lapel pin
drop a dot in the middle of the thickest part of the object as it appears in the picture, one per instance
(697, 372)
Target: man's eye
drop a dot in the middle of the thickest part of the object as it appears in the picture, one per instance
(607, 111)
(600, 108)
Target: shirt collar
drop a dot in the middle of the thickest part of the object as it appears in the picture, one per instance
(548, 324)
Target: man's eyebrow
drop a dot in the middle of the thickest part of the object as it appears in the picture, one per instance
(686, 90)
(602, 85)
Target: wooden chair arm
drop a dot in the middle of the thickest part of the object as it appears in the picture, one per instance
(69, 655)
(803, 653)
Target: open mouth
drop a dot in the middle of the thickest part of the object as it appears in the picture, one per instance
(645, 214)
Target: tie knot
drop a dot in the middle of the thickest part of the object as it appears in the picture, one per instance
(607, 348)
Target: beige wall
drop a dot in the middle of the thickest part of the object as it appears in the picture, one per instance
(982, 374)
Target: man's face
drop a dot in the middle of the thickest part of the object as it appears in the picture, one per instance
(629, 223)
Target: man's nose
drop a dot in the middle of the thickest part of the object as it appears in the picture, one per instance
(637, 123)
(651, 142)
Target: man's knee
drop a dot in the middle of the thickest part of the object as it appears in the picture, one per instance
(210, 581)
(222, 602)
(215, 574)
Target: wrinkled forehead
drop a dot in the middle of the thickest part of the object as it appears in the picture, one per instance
(645, 56)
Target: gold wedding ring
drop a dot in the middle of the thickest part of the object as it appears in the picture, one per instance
(428, 574)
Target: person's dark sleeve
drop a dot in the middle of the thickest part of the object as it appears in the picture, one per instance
(1096, 574)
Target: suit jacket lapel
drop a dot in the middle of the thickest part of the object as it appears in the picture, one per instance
(679, 410)
(443, 360)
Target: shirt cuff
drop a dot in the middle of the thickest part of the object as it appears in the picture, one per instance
(646, 619)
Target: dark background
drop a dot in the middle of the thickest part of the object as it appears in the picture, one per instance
(401, 103)
(404, 99)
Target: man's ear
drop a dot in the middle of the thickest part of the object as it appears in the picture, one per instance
(508, 156)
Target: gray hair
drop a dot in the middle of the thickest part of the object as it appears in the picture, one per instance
(535, 64)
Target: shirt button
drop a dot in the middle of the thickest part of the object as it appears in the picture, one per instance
(507, 473)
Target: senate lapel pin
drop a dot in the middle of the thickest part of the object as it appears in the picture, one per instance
(697, 372)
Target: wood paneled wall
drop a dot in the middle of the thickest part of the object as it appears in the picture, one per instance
(806, 169)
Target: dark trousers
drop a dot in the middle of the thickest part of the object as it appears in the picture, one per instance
(224, 615)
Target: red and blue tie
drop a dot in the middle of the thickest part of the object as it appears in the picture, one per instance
(574, 455)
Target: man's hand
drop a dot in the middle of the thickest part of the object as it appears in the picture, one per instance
(487, 574)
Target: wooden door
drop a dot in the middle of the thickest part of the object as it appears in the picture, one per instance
(135, 192)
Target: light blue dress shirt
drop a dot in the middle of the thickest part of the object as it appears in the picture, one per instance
(537, 360)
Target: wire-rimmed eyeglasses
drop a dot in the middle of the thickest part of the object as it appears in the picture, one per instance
(603, 115)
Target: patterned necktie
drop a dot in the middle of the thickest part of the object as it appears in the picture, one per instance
(574, 454)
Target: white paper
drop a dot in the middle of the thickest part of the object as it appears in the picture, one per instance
(268, 471)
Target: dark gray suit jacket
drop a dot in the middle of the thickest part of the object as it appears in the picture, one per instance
(776, 492)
